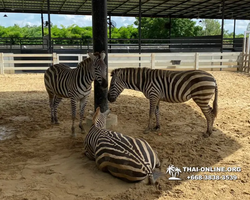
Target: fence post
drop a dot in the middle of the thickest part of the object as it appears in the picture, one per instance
(152, 60)
(58, 58)
(55, 61)
(196, 66)
(248, 66)
(240, 62)
(1, 64)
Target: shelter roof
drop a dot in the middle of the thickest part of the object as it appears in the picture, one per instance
(234, 9)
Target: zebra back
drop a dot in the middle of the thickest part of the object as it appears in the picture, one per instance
(125, 157)
(170, 86)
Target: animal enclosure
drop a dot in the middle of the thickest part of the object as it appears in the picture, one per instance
(41, 161)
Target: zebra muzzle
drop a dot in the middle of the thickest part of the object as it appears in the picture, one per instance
(104, 83)
(110, 99)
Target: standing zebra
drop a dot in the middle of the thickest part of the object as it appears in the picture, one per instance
(170, 86)
(63, 82)
(123, 156)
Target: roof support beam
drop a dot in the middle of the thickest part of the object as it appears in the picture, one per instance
(212, 6)
(119, 6)
(192, 7)
(137, 6)
(42, 4)
(172, 7)
(3, 3)
(80, 6)
(62, 5)
(156, 6)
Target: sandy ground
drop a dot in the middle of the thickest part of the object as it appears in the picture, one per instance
(40, 161)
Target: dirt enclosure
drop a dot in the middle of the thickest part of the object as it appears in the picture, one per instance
(39, 161)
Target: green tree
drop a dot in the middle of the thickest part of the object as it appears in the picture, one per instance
(211, 27)
(159, 28)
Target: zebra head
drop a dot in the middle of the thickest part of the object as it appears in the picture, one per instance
(100, 68)
(116, 85)
(99, 119)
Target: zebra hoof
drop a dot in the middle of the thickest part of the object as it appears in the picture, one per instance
(82, 129)
(206, 135)
(157, 128)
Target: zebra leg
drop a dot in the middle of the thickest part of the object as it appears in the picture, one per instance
(151, 113)
(56, 102)
(73, 112)
(83, 103)
(51, 104)
(207, 111)
(157, 114)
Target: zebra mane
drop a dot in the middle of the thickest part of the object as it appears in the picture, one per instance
(97, 54)
(114, 71)
(84, 63)
(128, 68)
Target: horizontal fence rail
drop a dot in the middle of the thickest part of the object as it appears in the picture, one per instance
(16, 63)
(182, 44)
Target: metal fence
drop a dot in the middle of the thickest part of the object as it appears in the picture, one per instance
(184, 44)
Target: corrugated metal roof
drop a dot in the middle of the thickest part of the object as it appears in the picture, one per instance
(234, 9)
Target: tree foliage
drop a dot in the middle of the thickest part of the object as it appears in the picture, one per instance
(159, 28)
(151, 28)
(210, 27)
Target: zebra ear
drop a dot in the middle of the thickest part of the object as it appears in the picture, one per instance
(91, 55)
(96, 115)
(103, 55)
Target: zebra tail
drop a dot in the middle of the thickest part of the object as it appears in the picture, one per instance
(215, 105)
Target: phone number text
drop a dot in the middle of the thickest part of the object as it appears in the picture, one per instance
(213, 177)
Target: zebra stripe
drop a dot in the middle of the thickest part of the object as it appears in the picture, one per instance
(63, 82)
(125, 157)
(170, 86)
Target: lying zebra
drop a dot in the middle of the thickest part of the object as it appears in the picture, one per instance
(170, 86)
(63, 82)
(123, 156)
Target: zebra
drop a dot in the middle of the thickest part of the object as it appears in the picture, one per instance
(130, 159)
(170, 86)
(63, 82)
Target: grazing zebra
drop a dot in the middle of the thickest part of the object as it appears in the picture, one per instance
(170, 86)
(123, 156)
(63, 82)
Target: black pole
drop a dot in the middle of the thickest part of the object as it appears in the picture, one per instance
(234, 34)
(222, 24)
(49, 41)
(139, 31)
(222, 28)
(42, 24)
(110, 33)
(170, 21)
(99, 26)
